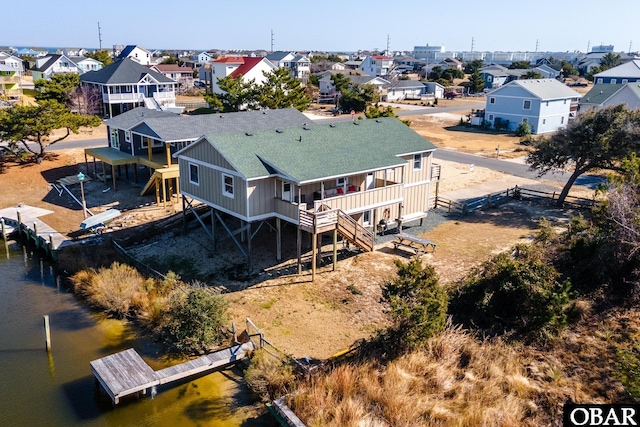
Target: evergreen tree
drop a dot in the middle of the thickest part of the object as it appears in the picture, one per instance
(476, 82)
(280, 90)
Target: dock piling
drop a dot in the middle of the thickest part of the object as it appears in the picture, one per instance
(47, 333)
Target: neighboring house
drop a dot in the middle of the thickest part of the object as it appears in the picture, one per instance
(547, 72)
(150, 137)
(86, 64)
(328, 88)
(51, 65)
(400, 90)
(434, 89)
(203, 57)
(495, 76)
(10, 82)
(182, 75)
(317, 67)
(338, 177)
(69, 51)
(451, 63)
(140, 55)
(628, 72)
(377, 65)
(546, 104)
(607, 95)
(125, 85)
(299, 65)
(353, 64)
(11, 61)
(25, 51)
(245, 67)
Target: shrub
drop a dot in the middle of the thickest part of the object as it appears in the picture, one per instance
(118, 289)
(195, 320)
(267, 376)
(513, 293)
(523, 129)
(417, 305)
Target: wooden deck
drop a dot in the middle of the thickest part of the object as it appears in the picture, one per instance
(25, 219)
(125, 373)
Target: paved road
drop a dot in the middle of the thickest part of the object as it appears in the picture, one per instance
(515, 168)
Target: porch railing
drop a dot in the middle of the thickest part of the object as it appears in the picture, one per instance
(360, 200)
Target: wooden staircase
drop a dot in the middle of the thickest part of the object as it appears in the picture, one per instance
(335, 219)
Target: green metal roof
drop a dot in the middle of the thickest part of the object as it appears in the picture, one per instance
(319, 151)
(600, 93)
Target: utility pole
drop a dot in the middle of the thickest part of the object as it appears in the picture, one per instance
(537, 45)
(388, 41)
(99, 36)
(472, 43)
(588, 45)
(272, 41)
(630, 44)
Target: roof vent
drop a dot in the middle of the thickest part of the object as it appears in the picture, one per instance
(378, 121)
(305, 127)
(300, 138)
(355, 123)
(221, 116)
(248, 134)
(264, 112)
(332, 125)
(279, 131)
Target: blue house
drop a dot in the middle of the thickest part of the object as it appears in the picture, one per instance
(546, 104)
(628, 72)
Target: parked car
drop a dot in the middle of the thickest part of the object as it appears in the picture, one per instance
(578, 84)
(451, 95)
(198, 83)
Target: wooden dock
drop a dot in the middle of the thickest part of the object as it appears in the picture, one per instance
(125, 373)
(25, 220)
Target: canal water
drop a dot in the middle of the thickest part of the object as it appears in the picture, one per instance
(57, 388)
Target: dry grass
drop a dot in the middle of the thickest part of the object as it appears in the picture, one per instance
(456, 381)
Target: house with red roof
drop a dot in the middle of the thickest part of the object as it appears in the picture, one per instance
(246, 68)
(377, 65)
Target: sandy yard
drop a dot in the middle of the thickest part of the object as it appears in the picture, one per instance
(302, 318)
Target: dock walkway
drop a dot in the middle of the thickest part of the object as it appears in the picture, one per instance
(125, 373)
(25, 219)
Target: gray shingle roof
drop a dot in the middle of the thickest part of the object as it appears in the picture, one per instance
(131, 118)
(600, 93)
(124, 71)
(319, 151)
(405, 84)
(44, 67)
(277, 56)
(170, 127)
(544, 89)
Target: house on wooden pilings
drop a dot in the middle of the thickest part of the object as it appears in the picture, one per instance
(342, 178)
(150, 138)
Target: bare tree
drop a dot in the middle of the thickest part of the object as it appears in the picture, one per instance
(86, 100)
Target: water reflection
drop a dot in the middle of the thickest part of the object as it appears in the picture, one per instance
(58, 388)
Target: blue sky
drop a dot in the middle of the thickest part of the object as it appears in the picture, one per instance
(558, 25)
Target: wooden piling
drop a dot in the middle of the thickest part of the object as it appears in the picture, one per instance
(19, 223)
(35, 235)
(47, 333)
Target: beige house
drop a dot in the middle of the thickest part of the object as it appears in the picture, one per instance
(343, 178)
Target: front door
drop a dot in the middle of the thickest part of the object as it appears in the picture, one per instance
(286, 191)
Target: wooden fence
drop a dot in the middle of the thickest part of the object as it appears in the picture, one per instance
(517, 193)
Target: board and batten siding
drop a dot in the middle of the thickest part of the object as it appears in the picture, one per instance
(261, 197)
(411, 176)
(416, 199)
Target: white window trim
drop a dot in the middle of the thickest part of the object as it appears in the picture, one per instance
(492, 100)
(224, 186)
(155, 144)
(127, 135)
(345, 182)
(417, 159)
(524, 104)
(197, 173)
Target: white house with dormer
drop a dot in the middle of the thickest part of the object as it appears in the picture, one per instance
(245, 67)
(140, 55)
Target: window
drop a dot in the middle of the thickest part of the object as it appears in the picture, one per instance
(492, 100)
(546, 104)
(544, 121)
(366, 218)
(490, 117)
(614, 81)
(417, 162)
(194, 177)
(625, 81)
(562, 120)
(127, 135)
(599, 81)
(527, 104)
(342, 182)
(565, 102)
(227, 185)
(115, 143)
(154, 142)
